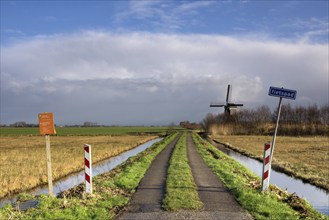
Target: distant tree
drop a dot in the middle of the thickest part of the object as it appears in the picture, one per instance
(324, 114)
(313, 114)
(190, 125)
(299, 120)
(19, 124)
(263, 114)
(208, 121)
(171, 127)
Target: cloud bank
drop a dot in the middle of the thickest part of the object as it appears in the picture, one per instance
(140, 78)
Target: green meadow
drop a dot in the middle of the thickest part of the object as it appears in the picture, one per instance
(89, 131)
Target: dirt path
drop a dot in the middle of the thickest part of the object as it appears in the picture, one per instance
(218, 202)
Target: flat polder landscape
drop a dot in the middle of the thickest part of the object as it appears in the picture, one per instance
(24, 166)
(176, 100)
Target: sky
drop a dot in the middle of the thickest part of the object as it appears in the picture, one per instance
(157, 62)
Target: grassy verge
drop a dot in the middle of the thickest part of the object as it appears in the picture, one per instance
(295, 156)
(181, 191)
(112, 192)
(275, 204)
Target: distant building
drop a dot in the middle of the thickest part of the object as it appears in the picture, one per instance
(90, 124)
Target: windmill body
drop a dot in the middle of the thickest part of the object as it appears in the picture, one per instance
(228, 106)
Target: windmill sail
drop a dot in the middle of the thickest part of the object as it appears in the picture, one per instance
(228, 94)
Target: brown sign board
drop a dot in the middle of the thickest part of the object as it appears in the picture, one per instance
(46, 123)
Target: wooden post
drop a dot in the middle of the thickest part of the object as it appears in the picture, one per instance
(50, 179)
(47, 127)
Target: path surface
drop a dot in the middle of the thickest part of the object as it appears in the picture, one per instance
(218, 202)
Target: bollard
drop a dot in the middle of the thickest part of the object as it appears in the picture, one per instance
(88, 169)
(266, 166)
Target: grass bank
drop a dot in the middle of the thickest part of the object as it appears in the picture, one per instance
(302, 157)
(23, 158)
(112, 191)
(245, 186)
(181, 191)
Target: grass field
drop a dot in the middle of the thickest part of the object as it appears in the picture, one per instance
(23, 158)
(303, 157)
(89, 131)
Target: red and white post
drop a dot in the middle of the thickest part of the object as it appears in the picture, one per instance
(266, 166)
(88, 169)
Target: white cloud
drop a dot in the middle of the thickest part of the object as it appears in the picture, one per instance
(146, 78)
(163, 15)
(308, 30)
(13, 31)
(191, 7)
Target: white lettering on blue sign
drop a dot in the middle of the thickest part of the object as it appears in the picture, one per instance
(281, 92)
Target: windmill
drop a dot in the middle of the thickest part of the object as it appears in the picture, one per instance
(228, 105)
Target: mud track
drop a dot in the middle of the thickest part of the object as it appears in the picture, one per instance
(218, 203)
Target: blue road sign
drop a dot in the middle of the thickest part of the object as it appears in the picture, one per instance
(281, 92)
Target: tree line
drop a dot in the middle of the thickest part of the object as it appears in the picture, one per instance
(298, 120)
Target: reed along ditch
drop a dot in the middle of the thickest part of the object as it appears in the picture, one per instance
(77, 178)
(317, 197)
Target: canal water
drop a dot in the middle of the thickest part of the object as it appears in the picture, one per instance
(317, 197)
(77, 178)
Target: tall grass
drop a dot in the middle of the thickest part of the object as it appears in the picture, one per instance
(268, 129)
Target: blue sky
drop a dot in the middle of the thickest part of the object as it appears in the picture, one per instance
(278, 19)
(167, 59)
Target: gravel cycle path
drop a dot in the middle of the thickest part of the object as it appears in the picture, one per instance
(152, 188)
(218, 202)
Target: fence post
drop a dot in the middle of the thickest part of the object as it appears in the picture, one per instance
(266, 166)
(49, 171)
(88, 169)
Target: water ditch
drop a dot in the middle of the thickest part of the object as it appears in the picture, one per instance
(77, 178)
(317, 197)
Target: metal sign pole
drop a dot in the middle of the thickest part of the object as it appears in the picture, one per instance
(276, 128)
(282, 93)
(50, 180)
